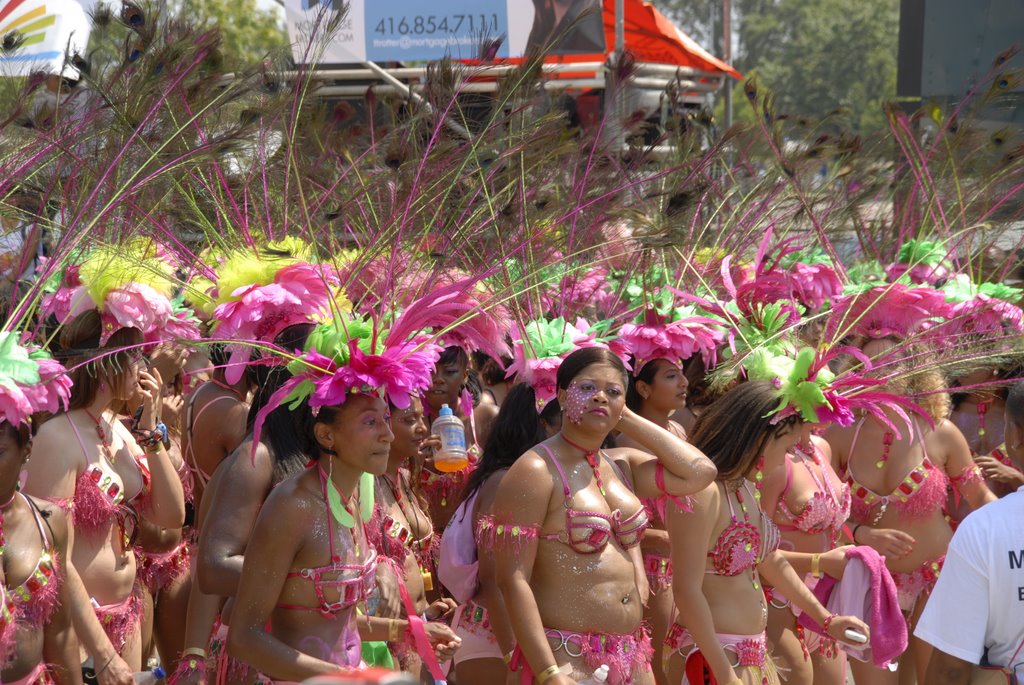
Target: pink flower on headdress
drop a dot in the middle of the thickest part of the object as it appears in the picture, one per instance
(300, 293)
(178, 327)
(984, 315)
(813, 284)
(134, 305)
(53, 391)
(835, 410)
(400, 371)
(919, 274)
(893, 310)
(541, 375)
(15, 407)
(675, 341)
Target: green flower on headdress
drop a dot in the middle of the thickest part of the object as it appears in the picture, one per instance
(863, 276)
(1001, 291)
(804, 395)
(920, 251)
(16, 364)
(810, 255)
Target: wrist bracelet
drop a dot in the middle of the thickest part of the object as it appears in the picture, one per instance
(195, 651)
(853, 533)
(827, 623)
(109, 661)
(394, 630)
(816, 565)
(548, 673)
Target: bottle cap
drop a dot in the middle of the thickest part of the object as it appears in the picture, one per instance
(445, 411)
(159, 672)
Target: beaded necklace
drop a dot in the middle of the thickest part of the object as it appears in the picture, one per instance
(106, 442)
(591, 457)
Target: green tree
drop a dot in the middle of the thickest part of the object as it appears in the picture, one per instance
(816, 55)
(249, 33)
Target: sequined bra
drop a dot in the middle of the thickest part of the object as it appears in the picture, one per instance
(588, 532)
(825, 512)
(922, 491)
(33, 602)
(99, 492)
(741, 545)
(353, 583)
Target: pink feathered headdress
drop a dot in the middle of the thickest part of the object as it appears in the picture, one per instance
(984, 316)
(30, 382)
(299, 293)
(539, 347)
(896, 310)
(675, 341)
(357, 355)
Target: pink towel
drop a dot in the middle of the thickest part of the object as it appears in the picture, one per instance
(868, 592)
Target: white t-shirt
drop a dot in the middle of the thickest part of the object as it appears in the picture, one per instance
(978, 601)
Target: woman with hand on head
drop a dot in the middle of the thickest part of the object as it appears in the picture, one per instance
(566, 531)
(37, 643)
(308, 565)
(725, 545)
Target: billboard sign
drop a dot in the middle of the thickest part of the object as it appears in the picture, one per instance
(412, 30)
(47, 30)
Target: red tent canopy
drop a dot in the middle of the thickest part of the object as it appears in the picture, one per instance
(653, 38)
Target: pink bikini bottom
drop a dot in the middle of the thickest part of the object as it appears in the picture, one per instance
(157, 570)
(810, 641)
(472, 624)
(627, 656)
(748, 655)
(910, 586)
(121, 619)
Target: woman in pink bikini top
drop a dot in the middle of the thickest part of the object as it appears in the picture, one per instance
(35, 617)
(566, 529)
(94, 468)
(323, 573)
(727, 543)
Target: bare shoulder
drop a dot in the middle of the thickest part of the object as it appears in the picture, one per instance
(295, 500)
(54, 517)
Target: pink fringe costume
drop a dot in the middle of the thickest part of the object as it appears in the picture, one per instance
(30, 605)
(99, 502)
(922, 492)
(823, 514)
(227, 668)
(158, 570)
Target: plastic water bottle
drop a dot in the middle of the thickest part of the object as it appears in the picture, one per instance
(154, 677)
(597, 677)
(453, 455)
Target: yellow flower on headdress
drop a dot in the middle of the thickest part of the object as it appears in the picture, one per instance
(109, 267)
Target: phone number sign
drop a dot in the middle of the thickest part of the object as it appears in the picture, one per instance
(417, 30)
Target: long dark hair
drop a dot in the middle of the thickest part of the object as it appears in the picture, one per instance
(287, 433)
(91, 363)
(647, 373)
(517, 429)
(734, 430)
